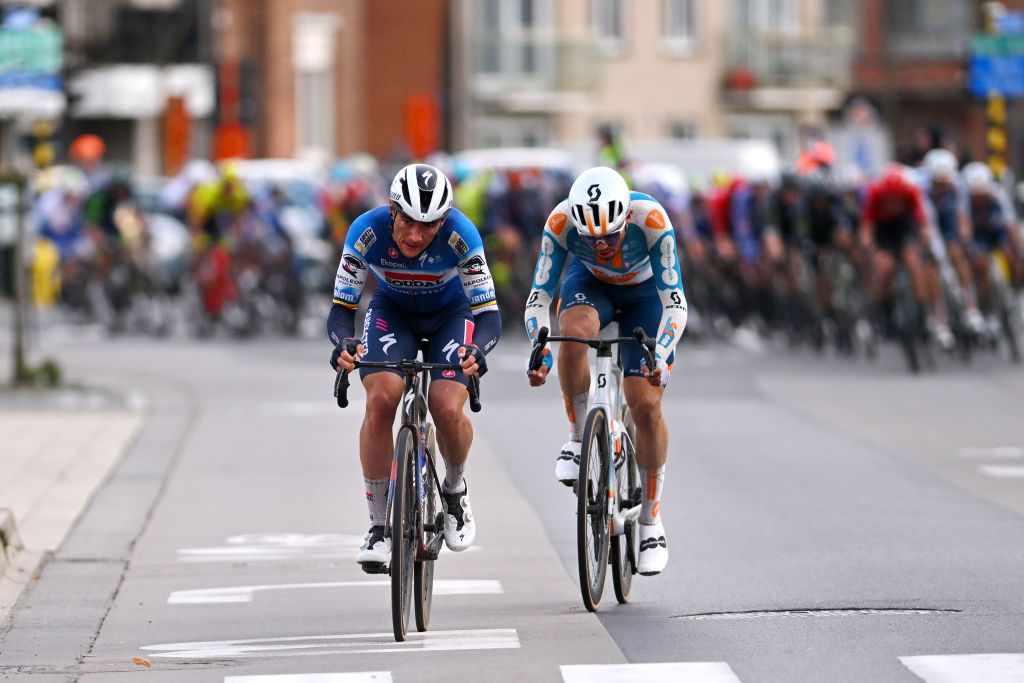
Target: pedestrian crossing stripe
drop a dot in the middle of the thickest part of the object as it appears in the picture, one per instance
(973, 668)
(355, 677)
(245, 594)
(667, 672)
(351, 643)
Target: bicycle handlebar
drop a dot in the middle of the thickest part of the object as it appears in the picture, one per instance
(646, 343)
(341, 383)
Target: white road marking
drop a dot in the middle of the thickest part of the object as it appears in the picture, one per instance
(668, 672)
(355, 677)
(1003, 471)
(267, 547)
(237, 594)
(992, 452)
(280, 547)
(354, 643)
(981, 668)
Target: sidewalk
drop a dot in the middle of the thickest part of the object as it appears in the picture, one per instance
(56, 448)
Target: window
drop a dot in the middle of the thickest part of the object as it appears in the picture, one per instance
(512, 131)
(516, 38)
(778, 16)
(313, 37)
(682, 130)
(681, 26)
(609, 18)
(928, 28)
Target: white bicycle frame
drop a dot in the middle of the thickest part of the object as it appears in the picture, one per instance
(608, 398)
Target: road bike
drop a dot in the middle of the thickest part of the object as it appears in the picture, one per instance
(608, 489)
(415, 518)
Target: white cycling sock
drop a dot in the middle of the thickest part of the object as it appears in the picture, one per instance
(377, 499)
(576, 411)
(453, 477)
(653, 481)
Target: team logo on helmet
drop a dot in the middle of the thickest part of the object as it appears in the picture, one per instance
(426, 179)
(594, 192)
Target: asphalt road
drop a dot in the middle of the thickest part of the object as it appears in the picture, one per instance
(827, 521)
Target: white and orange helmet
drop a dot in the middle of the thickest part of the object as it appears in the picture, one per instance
(599, 202)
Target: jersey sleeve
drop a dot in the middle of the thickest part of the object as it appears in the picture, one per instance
(666, 272)
(352, 271)
(475, 276)
(554, 251)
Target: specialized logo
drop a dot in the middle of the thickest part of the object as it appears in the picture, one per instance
(458, 245)
(594, 192)
(387, 341)
(352, 265)
(450, 348)
(655, 220)
(427, 180)
(474, 266)
(411, 279)
(365, 241)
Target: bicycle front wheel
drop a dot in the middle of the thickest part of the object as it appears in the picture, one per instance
(403, 531)
(592, 518)
(431, 524)
(625, 546)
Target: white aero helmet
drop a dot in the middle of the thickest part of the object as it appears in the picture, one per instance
(978, 176)
(941, 164)
(599, 202)
(422, 193)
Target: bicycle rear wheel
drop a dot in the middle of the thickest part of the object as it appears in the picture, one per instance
(592, 520)
(625, 545)
(403, 531)
(430, 524)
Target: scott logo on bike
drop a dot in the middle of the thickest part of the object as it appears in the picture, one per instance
(602, 381)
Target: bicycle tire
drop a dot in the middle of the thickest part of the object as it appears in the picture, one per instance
(423, 576)
(403, 532)
(592, 521)
(624, 546)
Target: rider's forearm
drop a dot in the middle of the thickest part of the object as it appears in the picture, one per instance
(537, 313)
(487, 330)
(673, 322)
(341, 323)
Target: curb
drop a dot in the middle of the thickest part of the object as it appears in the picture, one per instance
(9, 538)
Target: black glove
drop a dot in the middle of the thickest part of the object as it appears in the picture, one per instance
(348, 343)
(481, 359)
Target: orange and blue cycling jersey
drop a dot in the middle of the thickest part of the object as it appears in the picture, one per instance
(647, 259)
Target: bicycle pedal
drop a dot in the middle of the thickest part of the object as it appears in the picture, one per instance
(374, 567)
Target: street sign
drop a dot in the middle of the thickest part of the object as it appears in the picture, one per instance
(997, 65)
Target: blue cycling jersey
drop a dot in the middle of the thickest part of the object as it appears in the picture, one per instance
(452, 268)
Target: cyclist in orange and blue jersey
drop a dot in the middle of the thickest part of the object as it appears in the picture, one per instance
(626, 268)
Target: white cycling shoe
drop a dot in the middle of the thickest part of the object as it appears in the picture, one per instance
(459, 526)
(653, 555)
(375, 552)
(567, 467)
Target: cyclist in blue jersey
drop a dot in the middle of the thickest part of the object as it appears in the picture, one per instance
(433, 284)
(626, 268)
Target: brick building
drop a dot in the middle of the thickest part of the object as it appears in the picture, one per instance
(324, 78)
(913, 63)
